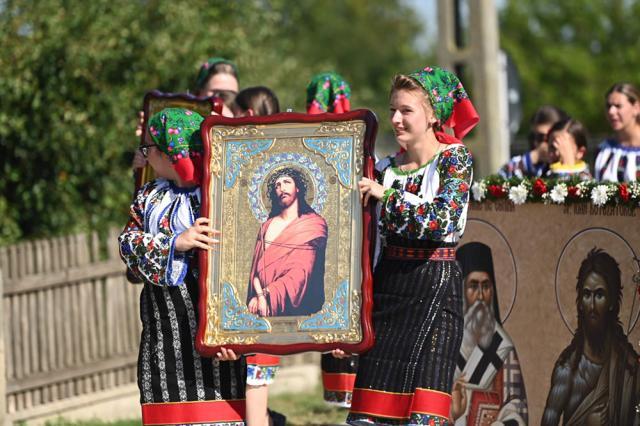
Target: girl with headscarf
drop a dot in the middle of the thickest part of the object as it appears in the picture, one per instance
(423, 195)
(329, 92)
(177, 386)
(216, 77)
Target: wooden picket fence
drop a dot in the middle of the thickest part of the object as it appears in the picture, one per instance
(71, 326)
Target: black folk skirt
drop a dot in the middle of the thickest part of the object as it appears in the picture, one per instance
(338, 377)
(407, 378)
(177, 385)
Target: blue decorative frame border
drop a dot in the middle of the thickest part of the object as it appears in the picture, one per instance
(239, 153)
(334, 315)
(337, 152)
(236, 316)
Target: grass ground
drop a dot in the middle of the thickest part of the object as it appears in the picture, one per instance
(307, 409)
(301, 409)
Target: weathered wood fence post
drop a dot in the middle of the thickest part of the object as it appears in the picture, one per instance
(3, 374)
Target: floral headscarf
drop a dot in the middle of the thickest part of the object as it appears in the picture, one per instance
(205, 69)
(176, 132)
(328, 92)
(449, 100)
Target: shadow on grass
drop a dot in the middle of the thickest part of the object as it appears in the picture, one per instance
(301, 409)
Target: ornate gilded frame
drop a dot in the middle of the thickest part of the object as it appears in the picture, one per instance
(335, 151)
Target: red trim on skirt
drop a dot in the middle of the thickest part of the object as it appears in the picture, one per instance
(263, 360)
(400, 405)
(398, 252)
(338, 382)
(168, 413)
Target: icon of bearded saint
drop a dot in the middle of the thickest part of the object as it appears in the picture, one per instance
(488, 380)
(596, 378)
(287, 272)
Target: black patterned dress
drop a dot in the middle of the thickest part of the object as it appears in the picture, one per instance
(406, 379)
(177, 385)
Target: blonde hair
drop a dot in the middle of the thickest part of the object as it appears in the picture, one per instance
(404, 82)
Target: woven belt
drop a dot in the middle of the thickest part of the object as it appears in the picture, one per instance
(442, 253)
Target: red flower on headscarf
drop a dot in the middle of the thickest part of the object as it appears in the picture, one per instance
(433, 225)
(623, 189)
(539, 187)
(463, 187)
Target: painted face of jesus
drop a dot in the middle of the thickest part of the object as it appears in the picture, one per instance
(286, 191)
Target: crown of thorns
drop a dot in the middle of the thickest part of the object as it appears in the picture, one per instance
(298, 176)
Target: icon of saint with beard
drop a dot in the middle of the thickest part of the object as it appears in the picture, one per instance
(489, 388)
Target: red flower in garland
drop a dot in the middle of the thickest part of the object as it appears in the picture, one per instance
(496, 191)
(623, 190)
(433, 225)
(573, 191)
(420, 210)
(539, 187)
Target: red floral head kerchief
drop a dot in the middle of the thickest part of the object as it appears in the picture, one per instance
(449, 100)
(328, 92)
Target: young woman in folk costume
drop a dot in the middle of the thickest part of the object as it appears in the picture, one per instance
(329, 92)
(423, 193)
(177, 386)
(618, 158)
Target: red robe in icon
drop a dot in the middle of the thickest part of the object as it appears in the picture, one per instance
(291, 268)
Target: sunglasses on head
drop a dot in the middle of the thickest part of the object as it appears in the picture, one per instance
(537, 137)
(144, 149)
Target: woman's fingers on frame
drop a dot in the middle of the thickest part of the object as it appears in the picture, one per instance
(200, 245)
(203, 238)
(366, 198)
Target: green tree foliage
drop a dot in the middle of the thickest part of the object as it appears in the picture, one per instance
(570, 52)
(73, 75)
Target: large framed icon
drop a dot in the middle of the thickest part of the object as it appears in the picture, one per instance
(155, 101)
(292, 272)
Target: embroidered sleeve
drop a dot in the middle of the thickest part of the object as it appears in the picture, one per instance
(410, 216)
(149, 257)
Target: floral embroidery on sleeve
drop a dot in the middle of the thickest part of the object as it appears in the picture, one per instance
(146, 255)
(408, 215)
